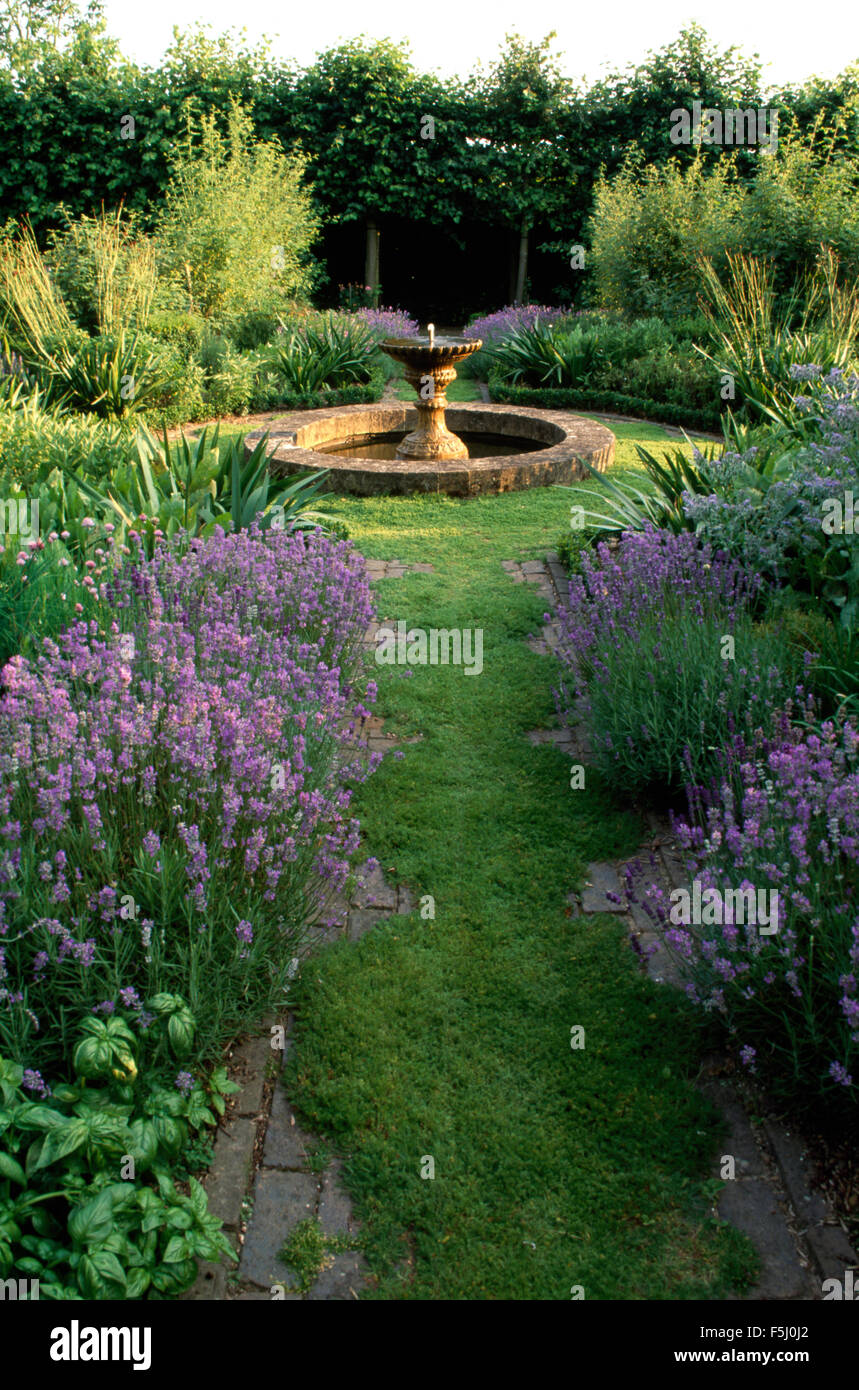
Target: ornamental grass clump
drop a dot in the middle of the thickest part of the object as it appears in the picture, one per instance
(174, 788)
(664, 661)
(784, 817)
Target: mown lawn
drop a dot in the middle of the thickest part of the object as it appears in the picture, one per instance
(449, 1038)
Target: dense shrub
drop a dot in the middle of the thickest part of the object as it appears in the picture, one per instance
(806, 197)
(233, 387)
(637, 366)
(775, 525)
(178, 328)
(651, 223)
(235, 231)
(253, 328)
(669, 378)
(648, 227)
(34, 442)
(182, 396)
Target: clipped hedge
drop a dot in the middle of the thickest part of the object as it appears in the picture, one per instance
(581, 398)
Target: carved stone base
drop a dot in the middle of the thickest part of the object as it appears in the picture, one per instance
(432, 439)
(432, 444)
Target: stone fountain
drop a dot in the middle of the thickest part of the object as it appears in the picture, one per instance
(430, 367)
(365, 450)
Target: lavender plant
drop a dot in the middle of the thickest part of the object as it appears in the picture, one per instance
(175, 786)
(493, 328)
(663, 658)
(389, 323)
(784, 817)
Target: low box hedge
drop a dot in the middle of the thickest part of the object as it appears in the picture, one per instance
(582, 398)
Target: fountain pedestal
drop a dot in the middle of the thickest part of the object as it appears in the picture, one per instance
(429, 368)
(432, 439)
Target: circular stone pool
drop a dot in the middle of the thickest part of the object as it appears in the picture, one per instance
(510, 447)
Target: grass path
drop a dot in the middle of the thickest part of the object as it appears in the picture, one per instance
(450, 1038)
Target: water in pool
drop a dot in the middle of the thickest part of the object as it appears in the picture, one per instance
(384, 446)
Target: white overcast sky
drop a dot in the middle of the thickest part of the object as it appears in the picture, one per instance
(793, 38)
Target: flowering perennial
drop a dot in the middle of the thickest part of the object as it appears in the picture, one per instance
(174, 787)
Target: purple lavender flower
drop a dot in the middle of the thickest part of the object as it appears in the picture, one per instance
(33, 1082)
(492, 328)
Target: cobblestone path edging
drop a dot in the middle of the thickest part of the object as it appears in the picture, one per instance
(799, 1239)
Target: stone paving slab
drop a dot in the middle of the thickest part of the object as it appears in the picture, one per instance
(600, 882)
(282, 1199)
(406, 902)
(227, 1180)
(560, 737)
(395, 569)
(342, 1277)
(828, 1241)
(740, 1141)
(751, 1206)
(211, 1283)
(286, 1145)
(251, 1058)
(257, 1296)
(361, 921)
(375, 891)
(335, 1206)
(530, 572)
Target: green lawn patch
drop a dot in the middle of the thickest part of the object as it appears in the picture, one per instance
(448, 1038)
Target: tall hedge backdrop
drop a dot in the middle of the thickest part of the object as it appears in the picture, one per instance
(457, 194)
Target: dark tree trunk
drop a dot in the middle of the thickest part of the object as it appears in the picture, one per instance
(522, 271)
(371, 258)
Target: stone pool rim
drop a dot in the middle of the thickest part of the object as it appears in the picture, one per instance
(564, 439)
